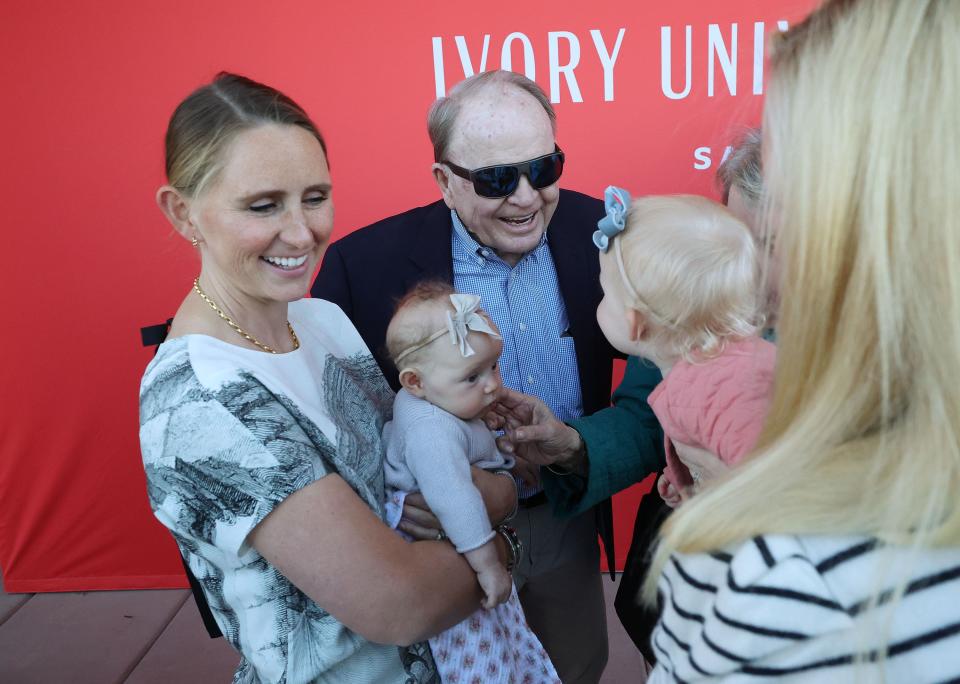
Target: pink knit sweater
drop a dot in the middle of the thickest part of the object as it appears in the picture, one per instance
(719, 404)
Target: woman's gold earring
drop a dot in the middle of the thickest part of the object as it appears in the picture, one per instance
(194, 241)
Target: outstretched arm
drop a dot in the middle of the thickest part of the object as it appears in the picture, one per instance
(596, 456)
(624, 444)
(337, 551)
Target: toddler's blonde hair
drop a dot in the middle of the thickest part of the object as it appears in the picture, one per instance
(691, 268)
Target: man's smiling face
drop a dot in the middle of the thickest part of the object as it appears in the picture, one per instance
(501, 125)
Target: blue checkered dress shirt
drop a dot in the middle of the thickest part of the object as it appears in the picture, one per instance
(539, 356)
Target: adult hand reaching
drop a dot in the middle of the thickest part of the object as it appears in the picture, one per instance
(527, 471)
(703, 465)
(535, 436)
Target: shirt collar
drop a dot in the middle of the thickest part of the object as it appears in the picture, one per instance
(469, 242)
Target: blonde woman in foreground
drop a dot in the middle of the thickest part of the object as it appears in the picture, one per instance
(833, 553)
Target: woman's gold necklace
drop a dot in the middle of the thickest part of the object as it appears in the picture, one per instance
(240, 331)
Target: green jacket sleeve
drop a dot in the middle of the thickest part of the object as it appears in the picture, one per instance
(624, 444)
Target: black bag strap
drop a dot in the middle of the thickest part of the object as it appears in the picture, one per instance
(154, 335)
(213, 629)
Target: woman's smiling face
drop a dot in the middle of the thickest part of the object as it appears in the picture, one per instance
(266, 218)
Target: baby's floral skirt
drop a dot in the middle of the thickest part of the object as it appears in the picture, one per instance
(493, 646)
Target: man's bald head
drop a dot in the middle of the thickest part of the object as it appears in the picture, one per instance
(442, 118)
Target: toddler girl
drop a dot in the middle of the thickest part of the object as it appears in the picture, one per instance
(446, 351)
(681, 288)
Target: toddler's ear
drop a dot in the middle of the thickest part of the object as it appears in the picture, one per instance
(636, 323)
(412, 381)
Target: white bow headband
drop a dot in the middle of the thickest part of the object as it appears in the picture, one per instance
(459, 324)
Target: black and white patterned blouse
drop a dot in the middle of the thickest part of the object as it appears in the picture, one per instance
(228, 433)
(791, 608)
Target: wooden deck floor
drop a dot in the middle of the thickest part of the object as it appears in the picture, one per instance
(149, 637)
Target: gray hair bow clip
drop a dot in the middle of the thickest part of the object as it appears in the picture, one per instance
(616, 202)
(465, 319)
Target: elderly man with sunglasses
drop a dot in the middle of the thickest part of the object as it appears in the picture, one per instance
(506, 231)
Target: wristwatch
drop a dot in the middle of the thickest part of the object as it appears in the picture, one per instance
(514, 545)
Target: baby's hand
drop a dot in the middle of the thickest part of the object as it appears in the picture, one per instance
(493, 577)
(496, 584)
(668, 492)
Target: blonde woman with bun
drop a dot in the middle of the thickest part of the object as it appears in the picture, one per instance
(261, 417)
(833, 553)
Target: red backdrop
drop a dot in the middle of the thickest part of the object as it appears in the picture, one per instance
(88, 89)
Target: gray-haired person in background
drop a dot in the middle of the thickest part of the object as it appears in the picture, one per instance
(740, 178)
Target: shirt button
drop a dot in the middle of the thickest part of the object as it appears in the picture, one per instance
(530, 380)
(523, 326)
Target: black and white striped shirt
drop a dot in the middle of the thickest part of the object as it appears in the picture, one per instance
(799, 609)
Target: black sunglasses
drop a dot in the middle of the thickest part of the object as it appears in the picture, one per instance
(502, 180)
